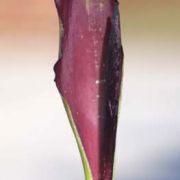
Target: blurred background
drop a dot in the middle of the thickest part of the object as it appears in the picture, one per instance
(36, 141)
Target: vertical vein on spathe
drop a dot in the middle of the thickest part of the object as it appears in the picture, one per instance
(101, 5)
(88, 4)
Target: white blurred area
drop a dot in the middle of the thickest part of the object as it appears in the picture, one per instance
(36, 141)
(148, 145)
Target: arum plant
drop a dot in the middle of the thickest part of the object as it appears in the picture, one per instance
(88, 77)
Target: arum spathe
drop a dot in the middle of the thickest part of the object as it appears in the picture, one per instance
(88, 77)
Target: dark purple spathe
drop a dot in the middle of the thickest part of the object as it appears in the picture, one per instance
(88, 76)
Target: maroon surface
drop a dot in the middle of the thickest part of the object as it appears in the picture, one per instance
(88, 76)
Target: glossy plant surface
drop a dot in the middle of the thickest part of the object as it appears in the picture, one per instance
(88, 77)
